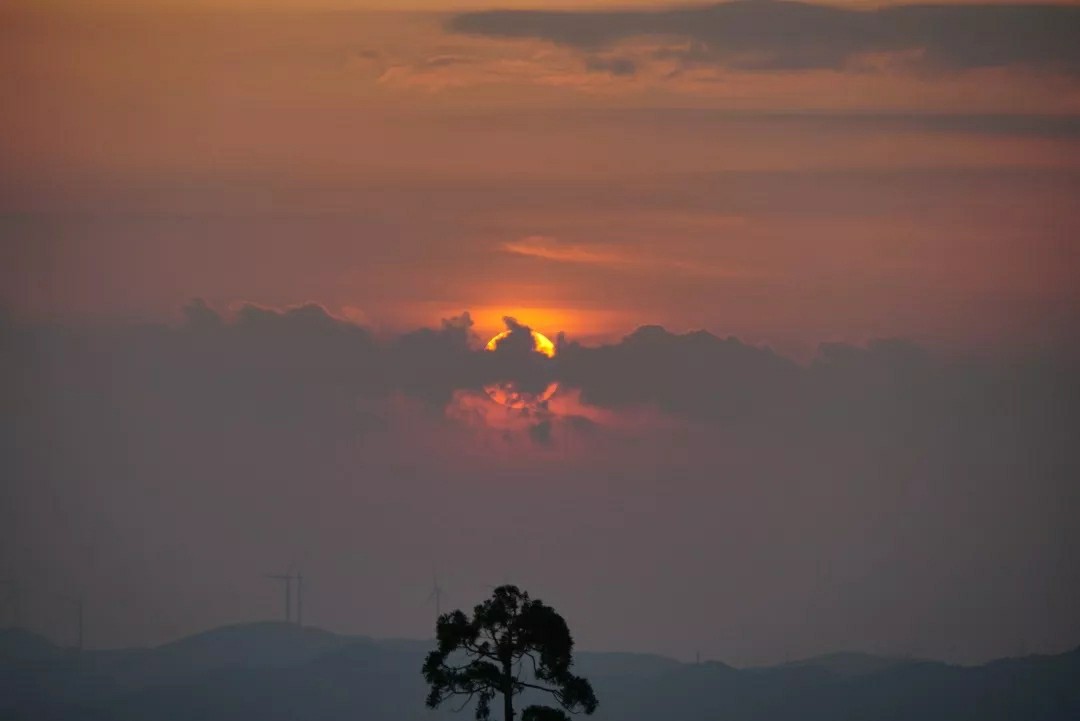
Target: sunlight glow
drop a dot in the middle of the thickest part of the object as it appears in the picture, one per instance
(541, 343)
(508, 393)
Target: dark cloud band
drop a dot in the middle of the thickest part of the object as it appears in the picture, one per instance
(304, 364)
(778, 35)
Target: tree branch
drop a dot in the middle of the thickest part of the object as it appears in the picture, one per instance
(467, 701)
(477, 651)
(553, 691)
(533, 659)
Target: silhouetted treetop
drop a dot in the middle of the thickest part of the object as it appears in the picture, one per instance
(511, 645)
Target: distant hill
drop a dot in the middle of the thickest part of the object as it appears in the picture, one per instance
(846, 663)
(21, 647)
(277, 671)
(623, 665)
(247, 645)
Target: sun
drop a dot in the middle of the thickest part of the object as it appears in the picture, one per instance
(541, 343)
(508, 393)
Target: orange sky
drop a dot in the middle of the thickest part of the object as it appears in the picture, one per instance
(396, 172)
(898, 183)
(437, 5)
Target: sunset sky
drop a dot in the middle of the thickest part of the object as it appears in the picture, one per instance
(871, 209)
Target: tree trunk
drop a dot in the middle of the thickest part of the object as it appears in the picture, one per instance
(508, 693)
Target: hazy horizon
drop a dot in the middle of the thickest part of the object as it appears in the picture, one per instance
(183, 461)
(811, 274)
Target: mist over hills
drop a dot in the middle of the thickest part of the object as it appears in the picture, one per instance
(281, 671)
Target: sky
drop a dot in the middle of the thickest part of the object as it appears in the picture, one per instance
(812, 271)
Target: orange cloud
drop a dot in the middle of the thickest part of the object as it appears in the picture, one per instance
(567, 428)
(538, 246)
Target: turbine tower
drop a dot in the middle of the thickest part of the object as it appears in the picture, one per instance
(436, 594)
(11, 603)
(299, 598)
(287, 578)
(81, 604)
(78, 604)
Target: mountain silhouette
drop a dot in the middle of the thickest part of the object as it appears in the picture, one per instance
(277, 671)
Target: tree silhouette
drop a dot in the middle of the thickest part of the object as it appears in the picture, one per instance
(511, 645)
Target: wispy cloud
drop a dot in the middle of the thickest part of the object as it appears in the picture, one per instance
(551, 249)
(539, 246)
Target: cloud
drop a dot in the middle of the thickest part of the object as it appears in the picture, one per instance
(551, 249)
(538, 246)
(441, 61)
(616, 66)
(303, 370)
(540, 432)
(311, 365)
(781, 35)
(563, 69)
(237, 442)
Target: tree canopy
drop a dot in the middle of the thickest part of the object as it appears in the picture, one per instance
(511, 645)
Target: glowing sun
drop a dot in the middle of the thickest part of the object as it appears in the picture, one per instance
(510, 393)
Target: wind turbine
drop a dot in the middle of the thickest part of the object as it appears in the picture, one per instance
(504, 582)
(11, 601)
(299, 598)
(79, 603)
(436, 594)
(287, 578)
